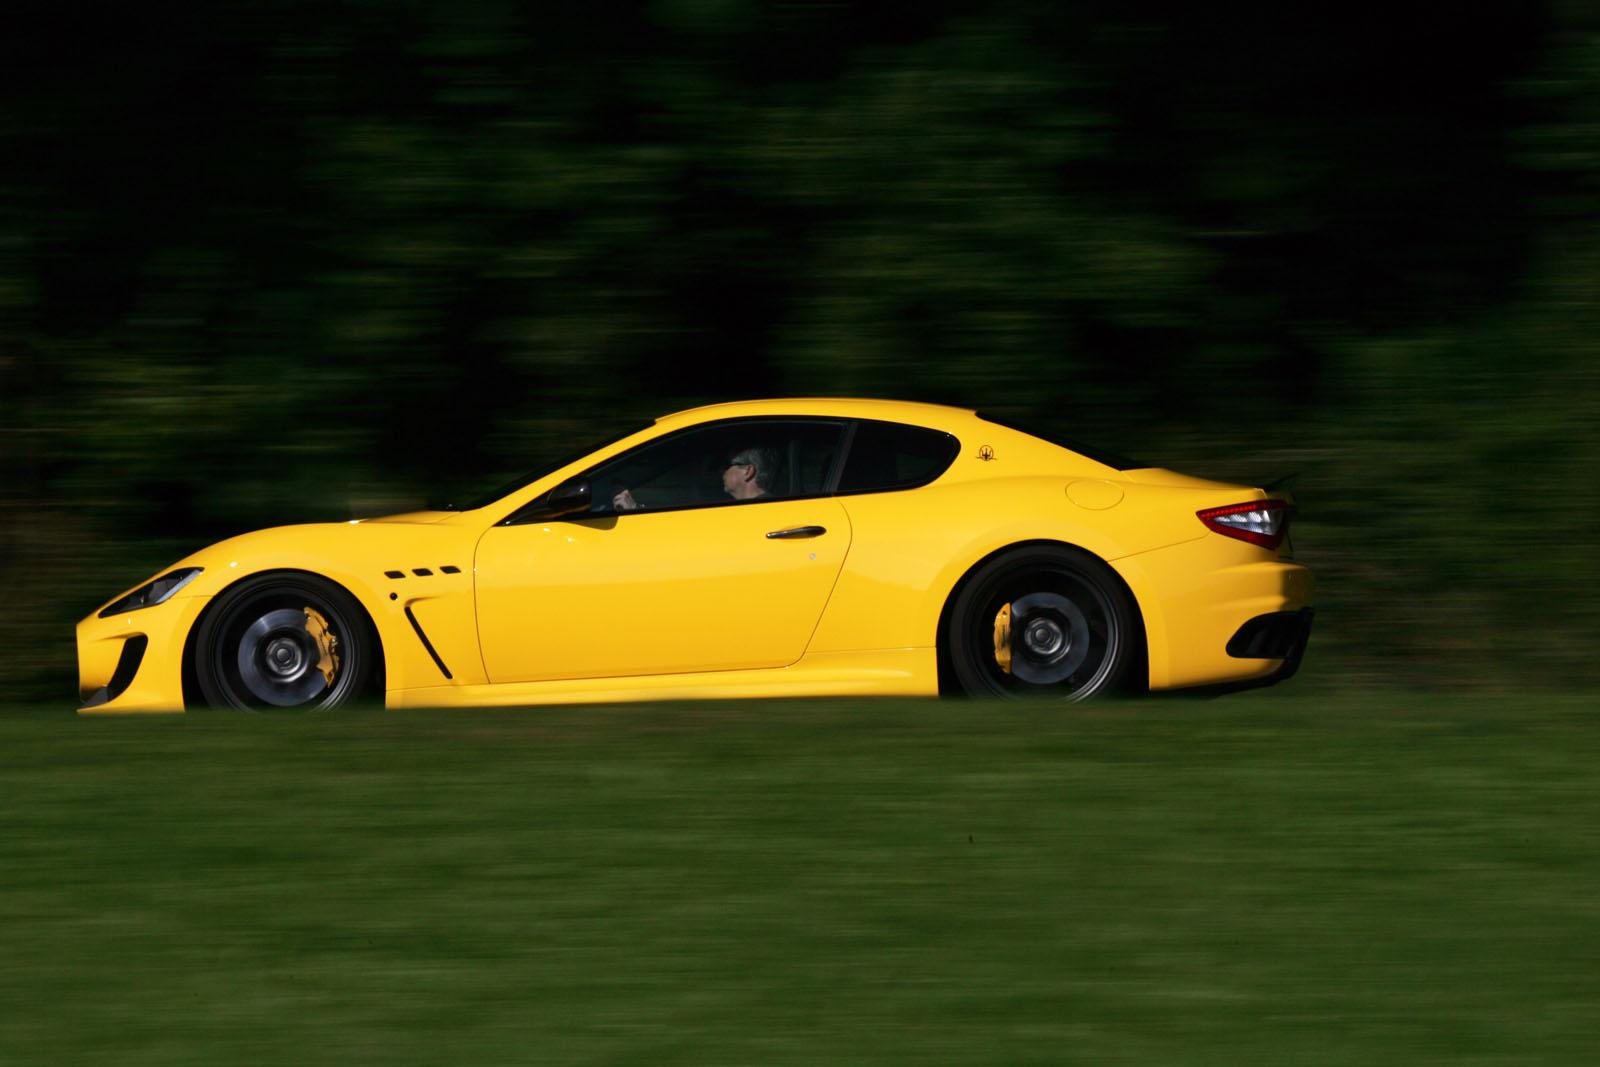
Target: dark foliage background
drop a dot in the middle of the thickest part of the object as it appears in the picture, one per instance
(272, 262)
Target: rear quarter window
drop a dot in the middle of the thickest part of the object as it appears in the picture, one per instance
(888, 455)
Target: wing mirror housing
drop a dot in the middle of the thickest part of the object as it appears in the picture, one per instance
(571, 497)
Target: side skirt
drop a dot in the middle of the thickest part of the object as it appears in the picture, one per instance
(882, 672)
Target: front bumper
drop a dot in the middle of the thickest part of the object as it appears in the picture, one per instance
(134, 662)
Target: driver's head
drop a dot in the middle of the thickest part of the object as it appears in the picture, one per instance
(748, 473)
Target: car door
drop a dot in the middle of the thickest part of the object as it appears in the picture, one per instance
(688, 581)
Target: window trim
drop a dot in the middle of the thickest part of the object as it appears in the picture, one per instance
(848, 431)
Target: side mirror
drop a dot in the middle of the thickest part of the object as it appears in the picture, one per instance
(568, 498)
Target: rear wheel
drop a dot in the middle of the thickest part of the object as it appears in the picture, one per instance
(1043, 621)
(284, 642)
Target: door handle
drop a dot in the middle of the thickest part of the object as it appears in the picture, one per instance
(797, 532)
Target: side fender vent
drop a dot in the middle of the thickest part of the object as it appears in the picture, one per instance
(423, 637)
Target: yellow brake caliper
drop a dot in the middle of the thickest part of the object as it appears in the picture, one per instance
(1002, 638)
(327, 643)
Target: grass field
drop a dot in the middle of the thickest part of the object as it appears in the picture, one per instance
(1270, 878)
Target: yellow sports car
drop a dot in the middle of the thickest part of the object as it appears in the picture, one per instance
(759, 549)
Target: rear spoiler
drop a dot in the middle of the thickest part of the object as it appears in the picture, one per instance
(1285, 482)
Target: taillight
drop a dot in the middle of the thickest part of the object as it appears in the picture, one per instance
(1261, 522)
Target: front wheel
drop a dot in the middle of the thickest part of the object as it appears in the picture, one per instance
(1042, 621)
(284, 642)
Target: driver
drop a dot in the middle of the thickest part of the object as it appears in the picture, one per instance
(746, 476)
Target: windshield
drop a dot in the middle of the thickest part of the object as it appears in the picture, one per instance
(483, 500)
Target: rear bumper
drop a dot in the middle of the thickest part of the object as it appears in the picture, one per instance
(1197, 599)
(134, 662)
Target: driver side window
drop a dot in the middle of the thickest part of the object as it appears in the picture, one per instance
(742, 461)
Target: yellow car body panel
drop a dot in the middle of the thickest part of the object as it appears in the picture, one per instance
(911, 548)
(699, 602)
(355, 556)
(663, 593)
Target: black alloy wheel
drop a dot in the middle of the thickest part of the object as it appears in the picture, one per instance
(1042, 621)
(284, 642)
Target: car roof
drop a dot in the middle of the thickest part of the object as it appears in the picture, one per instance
(837, 407)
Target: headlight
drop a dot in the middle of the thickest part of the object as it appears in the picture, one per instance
(152, 593)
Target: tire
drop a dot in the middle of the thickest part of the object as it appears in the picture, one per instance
(1073, 630)
(258, 648)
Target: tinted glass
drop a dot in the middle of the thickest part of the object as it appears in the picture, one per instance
(769, 459)
(887, 455)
